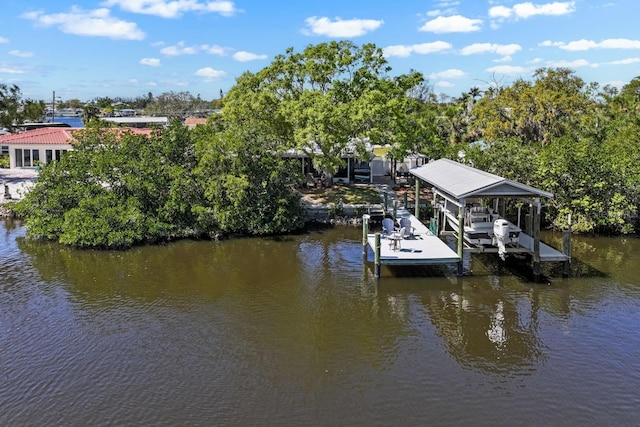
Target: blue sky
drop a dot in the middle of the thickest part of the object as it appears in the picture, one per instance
(85, 49)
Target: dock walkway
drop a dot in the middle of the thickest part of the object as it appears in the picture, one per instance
(423, 248)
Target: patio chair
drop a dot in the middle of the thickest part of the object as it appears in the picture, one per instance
(406, 229)
(387, 227)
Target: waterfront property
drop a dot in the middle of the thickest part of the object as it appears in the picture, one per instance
(461, 195)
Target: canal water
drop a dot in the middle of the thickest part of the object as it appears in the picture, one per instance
(296, 331)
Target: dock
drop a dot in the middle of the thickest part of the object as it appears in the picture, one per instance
(423, 248)
(458, 188)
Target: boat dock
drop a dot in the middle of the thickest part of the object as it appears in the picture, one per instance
(456, 188)
(422, 248)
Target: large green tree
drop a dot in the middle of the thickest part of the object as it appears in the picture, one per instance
(324, 100)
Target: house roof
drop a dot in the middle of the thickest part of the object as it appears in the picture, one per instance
(193, 121)
(462, 181)
(54, 136)
(42, 136)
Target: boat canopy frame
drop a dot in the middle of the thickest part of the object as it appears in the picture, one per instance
(457, 182)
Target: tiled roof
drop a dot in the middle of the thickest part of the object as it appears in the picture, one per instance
(46, 136)
(53, 136)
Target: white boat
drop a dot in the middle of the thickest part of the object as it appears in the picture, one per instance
(483, 226)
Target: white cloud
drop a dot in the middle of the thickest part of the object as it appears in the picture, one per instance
(340, 28)
(215, 49)
(500, 49)
(93, 23)
(173, 9)
(210, 74)
(548, 43)
(243, 56)
(4, 40)
(583, 44)
(527, 10)
(21, 54)
(421, 49)
(451, 73)
(626, 61)
(179, 49)
(502, 12)
(570, 64)
(152, 62)
(11, 69)
(507, 69)
(401, 51)
(451, 24)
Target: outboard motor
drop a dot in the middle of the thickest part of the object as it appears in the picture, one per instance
(501, 236)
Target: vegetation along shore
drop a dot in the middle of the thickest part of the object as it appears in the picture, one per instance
(577, 140)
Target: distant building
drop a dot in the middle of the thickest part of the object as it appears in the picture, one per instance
(40, 146)
(192, 122)
(138, 122)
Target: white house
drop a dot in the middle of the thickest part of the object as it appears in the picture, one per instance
(38, 146)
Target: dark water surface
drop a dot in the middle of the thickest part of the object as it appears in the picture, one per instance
(295, 331)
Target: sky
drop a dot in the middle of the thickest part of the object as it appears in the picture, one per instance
(84, 49)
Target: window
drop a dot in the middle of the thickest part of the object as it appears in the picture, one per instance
(27, 158)
(4, 150)
(48, 156)
(18, 158)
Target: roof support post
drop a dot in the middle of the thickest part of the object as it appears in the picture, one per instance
(536, 238)
(417, 206)
(461, 237)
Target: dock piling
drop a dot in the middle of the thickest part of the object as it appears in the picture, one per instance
(365, 233)
(566, 248)
(377, 256)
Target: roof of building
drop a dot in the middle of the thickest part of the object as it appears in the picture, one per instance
(462, 181)
(48, 136)
(194, 121)
(54, 136)
(136, 120)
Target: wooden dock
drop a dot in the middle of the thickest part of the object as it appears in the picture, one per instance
(423, 248)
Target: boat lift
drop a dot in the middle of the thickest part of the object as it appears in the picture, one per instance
(455, 184)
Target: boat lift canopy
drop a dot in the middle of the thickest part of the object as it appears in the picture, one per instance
(460, 182)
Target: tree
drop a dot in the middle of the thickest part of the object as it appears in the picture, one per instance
(117, 188)
(33, 111)
(323, 100)
(537, 111)
(10, 115)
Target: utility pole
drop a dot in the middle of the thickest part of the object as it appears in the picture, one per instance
(53, 106)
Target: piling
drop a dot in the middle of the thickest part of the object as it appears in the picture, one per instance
(566, 248)
(376, 261)
(365, 233)
(536, 241)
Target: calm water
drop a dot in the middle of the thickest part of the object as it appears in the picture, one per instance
(295, 331)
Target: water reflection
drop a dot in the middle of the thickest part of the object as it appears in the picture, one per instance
(296, 330)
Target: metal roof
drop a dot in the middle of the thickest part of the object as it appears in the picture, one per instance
(462, 181)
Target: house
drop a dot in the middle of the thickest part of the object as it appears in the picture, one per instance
(192, 122)
(40, 146)
(353, 171)
(37, 146)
